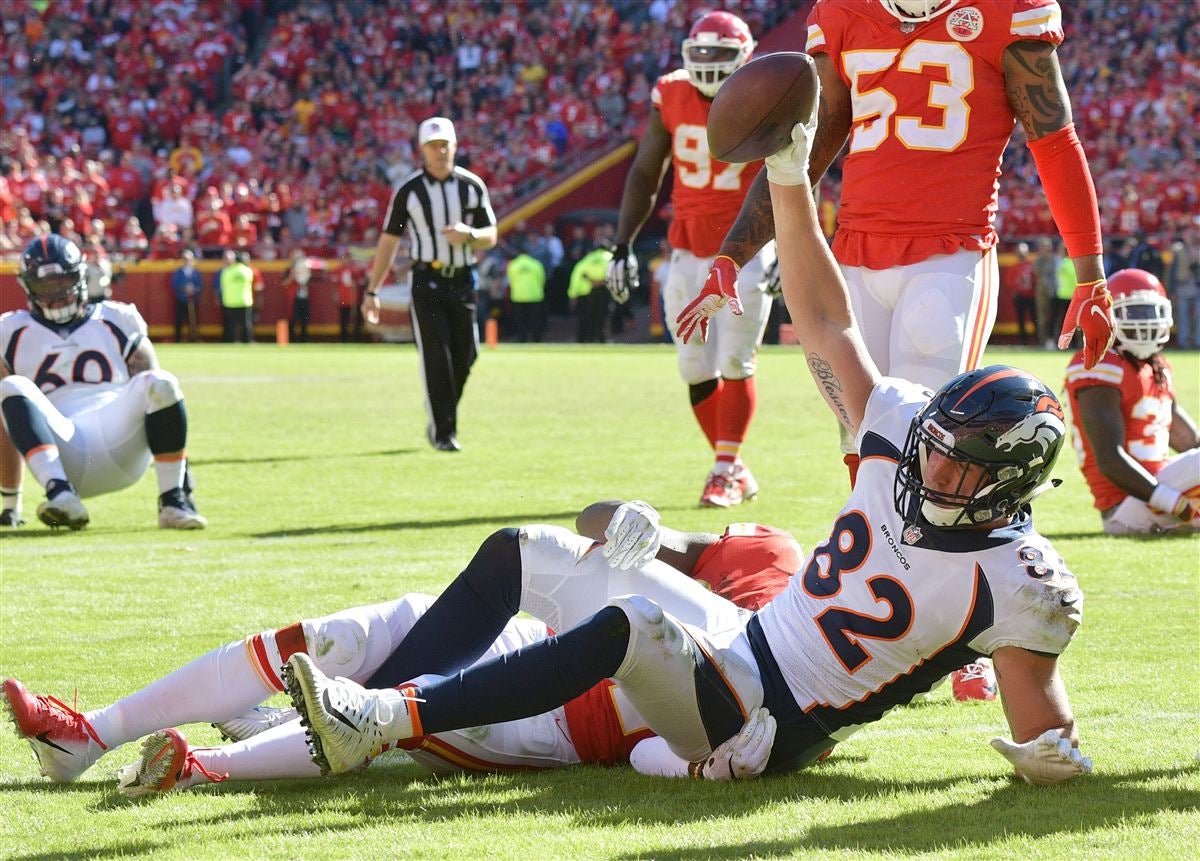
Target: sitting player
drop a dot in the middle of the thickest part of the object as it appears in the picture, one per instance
(749, 564)
(83, 398)
(1126, 416)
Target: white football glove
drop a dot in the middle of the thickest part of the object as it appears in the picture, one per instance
(789, 166)
(743, 756)
(622, 275)
(632, 536)
(1046, 760)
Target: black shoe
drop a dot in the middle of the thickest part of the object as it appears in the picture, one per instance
(11, 517)
(447, 443)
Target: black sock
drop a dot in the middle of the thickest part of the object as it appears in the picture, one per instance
(166, 429)
(466, 618)
(529, 681)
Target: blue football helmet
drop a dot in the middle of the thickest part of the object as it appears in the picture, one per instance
(998, 418)
(52, 273)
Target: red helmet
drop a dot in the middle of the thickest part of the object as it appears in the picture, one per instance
(1142, 311)
(717, 45)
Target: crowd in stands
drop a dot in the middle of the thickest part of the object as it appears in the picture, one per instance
(149, 126)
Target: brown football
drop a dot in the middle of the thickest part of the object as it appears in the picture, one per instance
(754, 111)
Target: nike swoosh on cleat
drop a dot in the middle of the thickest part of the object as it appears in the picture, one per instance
(43, 738)
(328, 706)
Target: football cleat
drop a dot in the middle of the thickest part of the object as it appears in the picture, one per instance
(176, 511)
(746, 481)
(62, 739)
(166, 762)
(64, 509)
(975, 681)
(346, 724)
(721, 490)
(248, 724)
(11, 517)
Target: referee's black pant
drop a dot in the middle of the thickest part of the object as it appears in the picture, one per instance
(443, 313)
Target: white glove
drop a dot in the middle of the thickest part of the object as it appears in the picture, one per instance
(743, 756)
(789, 166)
(632, 536)
(1046, 760)
(622, 274)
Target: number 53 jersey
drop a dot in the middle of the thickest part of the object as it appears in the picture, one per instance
(76, 362)
(930, 118)
(882, 610)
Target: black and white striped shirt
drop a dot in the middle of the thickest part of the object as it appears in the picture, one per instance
(423, 205)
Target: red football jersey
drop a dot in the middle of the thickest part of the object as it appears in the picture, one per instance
(749, 565)
(930, 120)
(708, 193)
(1145, 406)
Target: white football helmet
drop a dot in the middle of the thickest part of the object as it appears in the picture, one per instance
(1142, 311)
(717, 45)
(918, 10)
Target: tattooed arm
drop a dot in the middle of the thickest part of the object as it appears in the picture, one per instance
(816, 297)
(1038, 97)
(755, 226)
(143, 358)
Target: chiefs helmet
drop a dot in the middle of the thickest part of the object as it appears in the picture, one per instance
(52, 274)
(918, 10)
(1142, 311)
(717, 45)
(1002, 421)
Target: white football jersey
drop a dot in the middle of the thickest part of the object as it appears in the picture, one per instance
(71, 360)
(882, 610)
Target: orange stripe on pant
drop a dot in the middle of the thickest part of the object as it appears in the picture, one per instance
(979, 330)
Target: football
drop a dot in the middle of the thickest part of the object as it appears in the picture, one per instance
(754, 111)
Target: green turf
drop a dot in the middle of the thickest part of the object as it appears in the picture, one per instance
(322, 494)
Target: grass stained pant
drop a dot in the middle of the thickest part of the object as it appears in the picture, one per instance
(443, 313)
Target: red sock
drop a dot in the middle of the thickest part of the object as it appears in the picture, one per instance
(707, 413)
(734, 412)
(852, 461)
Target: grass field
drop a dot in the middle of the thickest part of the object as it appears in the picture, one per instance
(321, 492)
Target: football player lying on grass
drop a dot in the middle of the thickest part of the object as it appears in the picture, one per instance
(932, 563)
(749, 564)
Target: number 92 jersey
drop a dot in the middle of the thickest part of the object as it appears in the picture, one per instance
(882, 610)
(707, 194)
(73, 359)
(930, 120)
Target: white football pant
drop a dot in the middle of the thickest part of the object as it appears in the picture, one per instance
(1134, 517)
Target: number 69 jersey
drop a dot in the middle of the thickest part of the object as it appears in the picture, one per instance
(883, 610)
(707, 194)
(930, 120)
(76, 361)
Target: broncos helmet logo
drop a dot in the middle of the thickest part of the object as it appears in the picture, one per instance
(1035, 434)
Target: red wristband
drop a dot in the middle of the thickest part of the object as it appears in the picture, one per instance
(1069, 190)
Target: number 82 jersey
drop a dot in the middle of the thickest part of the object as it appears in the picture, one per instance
(707, 194)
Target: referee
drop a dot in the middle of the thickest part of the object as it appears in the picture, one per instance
(447, 215)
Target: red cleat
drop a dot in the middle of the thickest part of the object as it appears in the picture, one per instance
(62, 740)
(976, 681)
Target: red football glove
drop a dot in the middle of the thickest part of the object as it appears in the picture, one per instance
(720, 289)
(1091, 311)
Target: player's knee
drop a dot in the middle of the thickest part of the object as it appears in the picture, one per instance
(337, 644)
(644, 616)
(162, 389)
(14, 385)
(494, 573)
(701, 390)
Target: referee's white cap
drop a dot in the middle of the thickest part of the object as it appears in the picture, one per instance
(436, 129)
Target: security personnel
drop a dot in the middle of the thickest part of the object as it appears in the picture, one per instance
(527, 292)
(591, 299)
(447, 216)
(235, 286)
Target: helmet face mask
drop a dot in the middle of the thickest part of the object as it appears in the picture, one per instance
(52, 274)
(718, 44)
(1142, 311)
(918, 11)
(1001, 427)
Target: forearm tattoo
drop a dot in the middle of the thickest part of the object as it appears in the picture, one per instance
(755, 224)
(1036, 91)
(823, 373)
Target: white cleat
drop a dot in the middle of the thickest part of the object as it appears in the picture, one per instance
(65, 509)
(345, 723)
(62, 739)
(721, 489)
(166, 762)
(258, 720)
(177, 511)
(745, 482)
